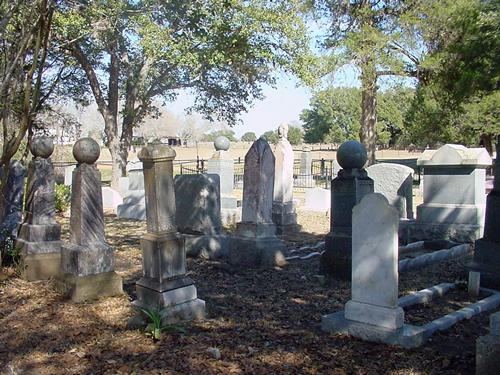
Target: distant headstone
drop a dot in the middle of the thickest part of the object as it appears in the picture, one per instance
(134, 202)
(305, 177)
(14, 195)
(255, 242)
(283, 210)
(87, 262)
(111, 199)
(68, 174)
(395, 182)
(222, 165)
(197, 200)
(348, 188)
(317, 199)
(454, 194)
(164, 286)
(40, 235)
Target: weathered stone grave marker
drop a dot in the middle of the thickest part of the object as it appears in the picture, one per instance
(40, 235)
(348, 188)
(87, 262)
(255, 242)
(164, 286)
(283, 210)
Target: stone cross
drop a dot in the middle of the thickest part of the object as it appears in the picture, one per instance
(283, 210)
(255, 242)
(40, 235)
(164, 286)
(87, 262)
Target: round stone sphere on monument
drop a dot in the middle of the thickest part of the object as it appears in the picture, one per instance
(352, 155)
(42, 146)
(221, 143)
(86, 150)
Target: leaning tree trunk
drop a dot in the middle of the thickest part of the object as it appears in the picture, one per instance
(367, 132)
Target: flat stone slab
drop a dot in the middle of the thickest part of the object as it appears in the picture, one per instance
(187, 311)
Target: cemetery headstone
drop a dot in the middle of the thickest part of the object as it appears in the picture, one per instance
(487, 249)
(164, 287)
(40, 235)
(222, 165)
(87, 261)
(317, 199)
(283, 210)
(111, 199)
(198, 214)
(134, 203)
(13, 201)
(255, 242)
(454, 194)
(305, 177)
(395, 182)
(348, 188)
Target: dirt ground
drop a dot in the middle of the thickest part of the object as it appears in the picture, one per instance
(261, 322)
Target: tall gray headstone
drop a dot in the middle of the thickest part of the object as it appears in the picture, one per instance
(40, 235)
(348, 188)
(255, 242)
(487, 249)
(222, 165)
(87, 261)
(454, 194)
(164, 286)
(395, 182)
(283, 211)
(374, 288)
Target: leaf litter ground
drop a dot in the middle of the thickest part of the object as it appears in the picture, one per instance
(260, 321)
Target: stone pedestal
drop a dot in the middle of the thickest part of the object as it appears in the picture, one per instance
(40, 235)
(164, 286)
(283, 210)
(347, 190)
(454, 193)
(87, 262)
(255, 243)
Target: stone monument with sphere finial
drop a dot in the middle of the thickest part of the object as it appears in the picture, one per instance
(284, 215)
(39, 237)
(348, 188)
(220, 163)
(87, 262)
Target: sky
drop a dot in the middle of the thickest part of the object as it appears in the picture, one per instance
(282, 104)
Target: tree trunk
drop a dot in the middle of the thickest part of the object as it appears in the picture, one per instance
(486, 142)
(367, 133)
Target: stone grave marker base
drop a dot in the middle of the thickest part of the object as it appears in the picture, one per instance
(407, 336)
(175, 299)
(90, 287)
(487, 262)
(336, 261)
(461, 233)
(256, 245)
(41, 266)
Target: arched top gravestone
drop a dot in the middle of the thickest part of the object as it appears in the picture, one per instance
(258, 183)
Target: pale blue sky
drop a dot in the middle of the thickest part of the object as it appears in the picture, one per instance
(282, 104)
